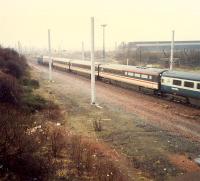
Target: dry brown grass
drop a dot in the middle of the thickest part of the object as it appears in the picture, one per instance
(87, 160)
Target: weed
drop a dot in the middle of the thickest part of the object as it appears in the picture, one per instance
(97, 125)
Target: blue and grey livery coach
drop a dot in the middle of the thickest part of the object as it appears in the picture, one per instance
(183, 84)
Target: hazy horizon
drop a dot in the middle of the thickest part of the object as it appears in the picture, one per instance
(69, 21)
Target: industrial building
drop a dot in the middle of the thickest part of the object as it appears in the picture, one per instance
(161, 45)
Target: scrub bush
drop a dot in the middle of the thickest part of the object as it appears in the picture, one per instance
(10, 90)
(12, 63)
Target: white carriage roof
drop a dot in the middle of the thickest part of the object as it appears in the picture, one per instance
(136, 69)
(182, 75)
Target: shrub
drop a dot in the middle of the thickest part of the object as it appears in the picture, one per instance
(31, 83)
(33, 102)
(14, 69)
(57, 141)
(20, 146)
(10, 91)
(12, 63)
(31, 167)
(52, 112)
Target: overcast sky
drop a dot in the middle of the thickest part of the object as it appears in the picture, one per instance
(69, 21)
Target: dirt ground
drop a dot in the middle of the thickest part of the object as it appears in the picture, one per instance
(160, 139)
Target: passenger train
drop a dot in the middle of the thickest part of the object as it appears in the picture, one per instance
(177, 85)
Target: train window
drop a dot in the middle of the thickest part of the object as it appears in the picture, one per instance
(198, 86)
(189, 84)
(177, 82)
(130, 74)
(150, 77)
(163, 80)
(137, 75)
(126, 73)
(144, 76)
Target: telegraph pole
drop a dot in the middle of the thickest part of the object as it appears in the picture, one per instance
(103, 51)
(127, 61)
(50, 59)
(83, 51)
(172, 51)
(93, 96)
(140, 57)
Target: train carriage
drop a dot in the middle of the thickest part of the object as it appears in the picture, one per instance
(63, 61)
(80, 66)
(182, 84)
(61, 64)
(139, 76)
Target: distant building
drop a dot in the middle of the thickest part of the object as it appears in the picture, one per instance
(161, 45)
